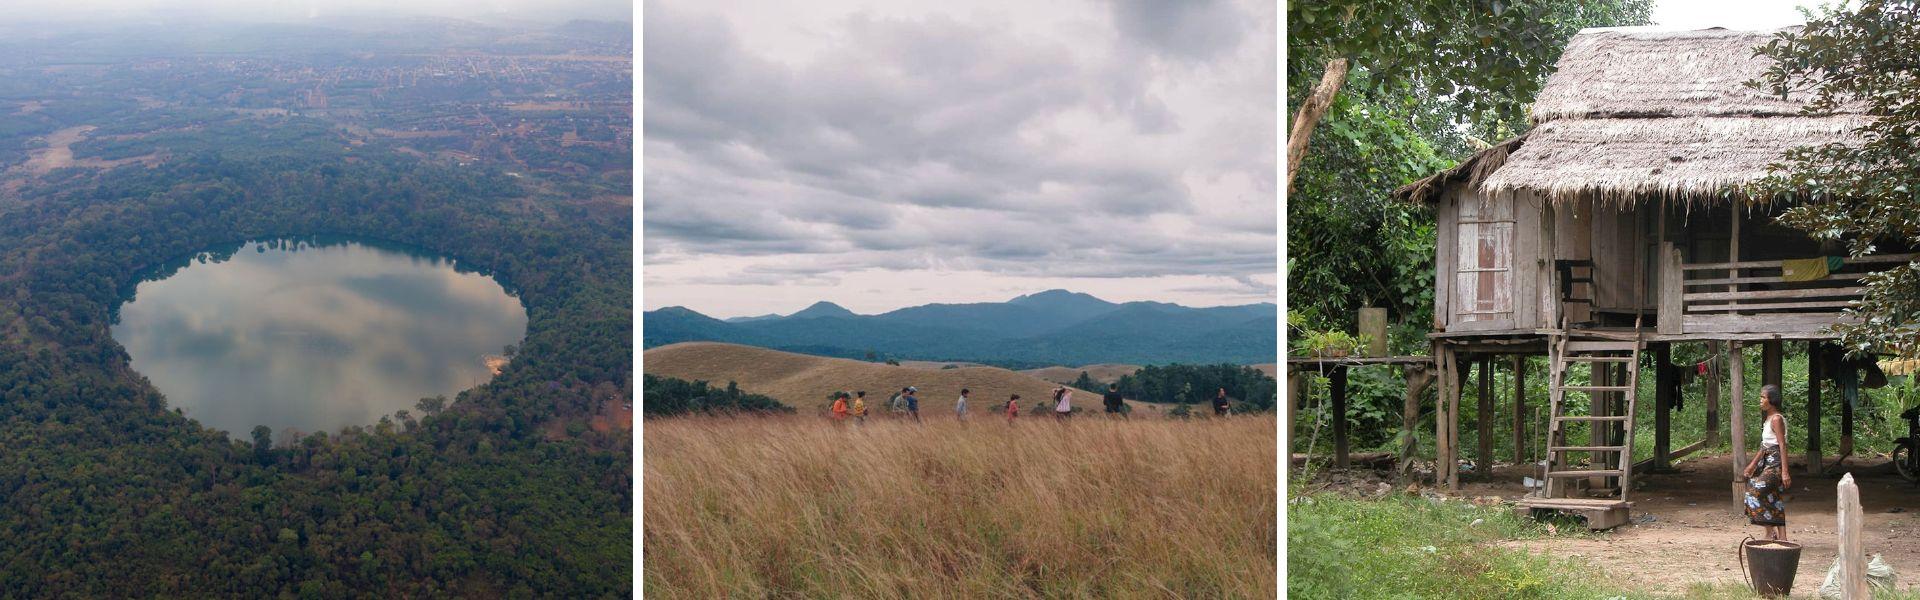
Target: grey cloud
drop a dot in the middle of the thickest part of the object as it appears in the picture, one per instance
(939, 143)
(1193, 30)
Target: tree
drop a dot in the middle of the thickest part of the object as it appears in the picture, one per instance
(1085, 382)
(1487, 56)
(263, 444)
(1865, 192)
(431, 406)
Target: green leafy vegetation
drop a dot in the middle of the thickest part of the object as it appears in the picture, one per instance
(1867, 192)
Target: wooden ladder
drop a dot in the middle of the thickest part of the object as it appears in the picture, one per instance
(1606, 459)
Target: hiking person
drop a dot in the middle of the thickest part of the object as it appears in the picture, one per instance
(1115, 404)
(839, 407)
(1013, 408)
(1767, 477)
(860, 408)
(960, 406)
(1220, 403)
(1062, 403)
(896, 404)
(912, 398)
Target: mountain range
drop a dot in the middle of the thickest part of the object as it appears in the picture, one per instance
(1055, 327)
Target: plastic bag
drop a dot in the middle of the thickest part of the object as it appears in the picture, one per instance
(1880, 578)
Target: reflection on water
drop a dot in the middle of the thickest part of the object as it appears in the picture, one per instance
(313, 335)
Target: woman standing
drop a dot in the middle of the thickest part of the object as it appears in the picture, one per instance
(1013, 408)
(1767, 477)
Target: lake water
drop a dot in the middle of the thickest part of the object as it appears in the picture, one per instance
(314, 334)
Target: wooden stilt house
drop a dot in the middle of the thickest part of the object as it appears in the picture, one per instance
(1617, 227)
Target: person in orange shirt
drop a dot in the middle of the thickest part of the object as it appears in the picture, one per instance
(1013, 408)
(839, 406)
(860, 408)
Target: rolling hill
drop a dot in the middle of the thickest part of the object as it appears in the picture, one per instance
(803, 381)
(1105, 373)
(1055, 327)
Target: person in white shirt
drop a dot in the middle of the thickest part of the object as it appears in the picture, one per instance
(1063, 403)
(960, 406)
(1767, 476)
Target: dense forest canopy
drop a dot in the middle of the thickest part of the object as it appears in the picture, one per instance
(512, 489)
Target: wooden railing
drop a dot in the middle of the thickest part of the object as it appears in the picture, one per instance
(1753, 296)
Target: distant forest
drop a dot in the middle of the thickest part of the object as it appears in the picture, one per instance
(499, 493)
(667, 396)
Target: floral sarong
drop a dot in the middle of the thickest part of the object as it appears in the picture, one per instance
(1766, 502)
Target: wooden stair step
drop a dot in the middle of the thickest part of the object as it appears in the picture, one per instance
(1574, 503)
(1595, 473)
(1592, 418)
(1586, 448)
(1586, 346)
(1594, 388)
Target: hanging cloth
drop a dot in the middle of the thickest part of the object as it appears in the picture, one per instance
(1809, 269)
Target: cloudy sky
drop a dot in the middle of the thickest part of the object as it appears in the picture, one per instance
(281, 10)
(888, 154)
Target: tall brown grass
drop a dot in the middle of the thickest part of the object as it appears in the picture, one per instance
(800, 507)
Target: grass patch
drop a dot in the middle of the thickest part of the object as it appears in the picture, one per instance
(1403, 546)
(796, 507)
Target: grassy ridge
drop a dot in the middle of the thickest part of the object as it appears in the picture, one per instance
(794, 506)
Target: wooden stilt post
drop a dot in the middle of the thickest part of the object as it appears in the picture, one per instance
(1452, 425)
(1846, 411)
(1442, 436)
(1770, 351)
(1418, 378)
(1519, 409)
(1737, 427)
(1296, 389)
(1338, 388)
(1713, 396)
(1483, 460)
(1663, 380)
(1814, 464)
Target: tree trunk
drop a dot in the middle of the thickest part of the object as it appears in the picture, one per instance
(1314, 107)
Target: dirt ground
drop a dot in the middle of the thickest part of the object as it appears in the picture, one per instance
(1686, 526)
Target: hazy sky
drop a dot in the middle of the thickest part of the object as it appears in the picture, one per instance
(1731, 14)
(886, 154)
(480, 10)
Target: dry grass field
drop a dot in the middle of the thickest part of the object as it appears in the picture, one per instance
(795, 506)
(803, 381)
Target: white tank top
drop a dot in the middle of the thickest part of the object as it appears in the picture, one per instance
(1767, 437)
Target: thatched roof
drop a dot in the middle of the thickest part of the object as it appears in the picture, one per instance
(1471, 171)
(1633, 113)
(1633, 72)
(1694, 157)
